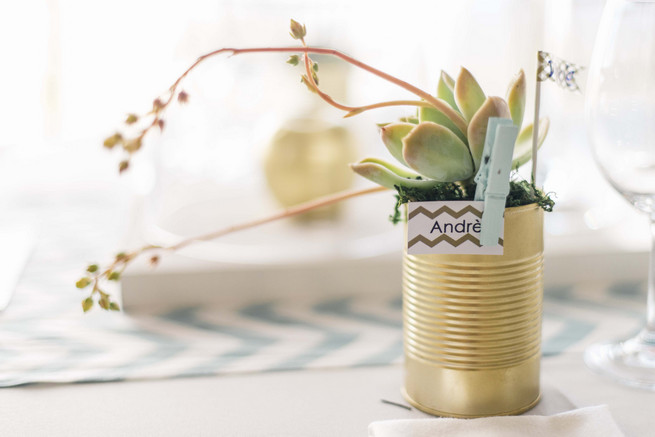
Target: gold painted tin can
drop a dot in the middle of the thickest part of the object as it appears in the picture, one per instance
(472, 325)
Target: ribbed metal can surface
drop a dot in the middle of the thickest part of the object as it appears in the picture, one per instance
(472, 325)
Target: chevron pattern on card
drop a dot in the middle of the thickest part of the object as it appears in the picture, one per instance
(449, 211)
(447, 239)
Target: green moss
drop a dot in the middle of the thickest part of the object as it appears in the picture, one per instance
(445, 191)
(520, 193)
(525, 193)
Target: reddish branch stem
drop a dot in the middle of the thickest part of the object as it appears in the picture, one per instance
(289, 212)
(433, 101)
(120, 263)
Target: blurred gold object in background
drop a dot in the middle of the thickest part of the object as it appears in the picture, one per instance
(309, 158)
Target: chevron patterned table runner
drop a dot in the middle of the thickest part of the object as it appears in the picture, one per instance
(269, 335)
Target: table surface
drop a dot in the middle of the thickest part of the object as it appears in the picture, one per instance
(336, 402)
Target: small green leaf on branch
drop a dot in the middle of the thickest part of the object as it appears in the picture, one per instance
(112, 141)
(104, 302)
(87, 304)
(308, 84)
(132, 145)
(83, 283)
(114, 276)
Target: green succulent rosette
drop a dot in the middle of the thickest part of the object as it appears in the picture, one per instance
(433, 148)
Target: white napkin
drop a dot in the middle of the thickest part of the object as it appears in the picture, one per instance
(584, 422)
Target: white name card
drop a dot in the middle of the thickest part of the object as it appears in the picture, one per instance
(447, 228)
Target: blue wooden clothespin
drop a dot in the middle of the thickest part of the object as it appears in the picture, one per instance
(493, 177)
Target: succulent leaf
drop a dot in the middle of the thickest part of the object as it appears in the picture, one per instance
(392, 137)
(523, 147)
(477, 130)
(445, 90)
(468, 94)
(436, 116)
(413, 120)
(516, 98)
(436, 152)
(382, 175)
(403, 172)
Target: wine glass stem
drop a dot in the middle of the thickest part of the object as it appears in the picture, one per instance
(650, 321)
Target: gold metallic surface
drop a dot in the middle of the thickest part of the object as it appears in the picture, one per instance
(307, 159)
(472, 325)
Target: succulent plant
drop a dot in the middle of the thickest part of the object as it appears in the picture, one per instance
(440, 146)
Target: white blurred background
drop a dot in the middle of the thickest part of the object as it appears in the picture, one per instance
(73, 69)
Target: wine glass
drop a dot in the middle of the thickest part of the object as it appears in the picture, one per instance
(620, 120)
